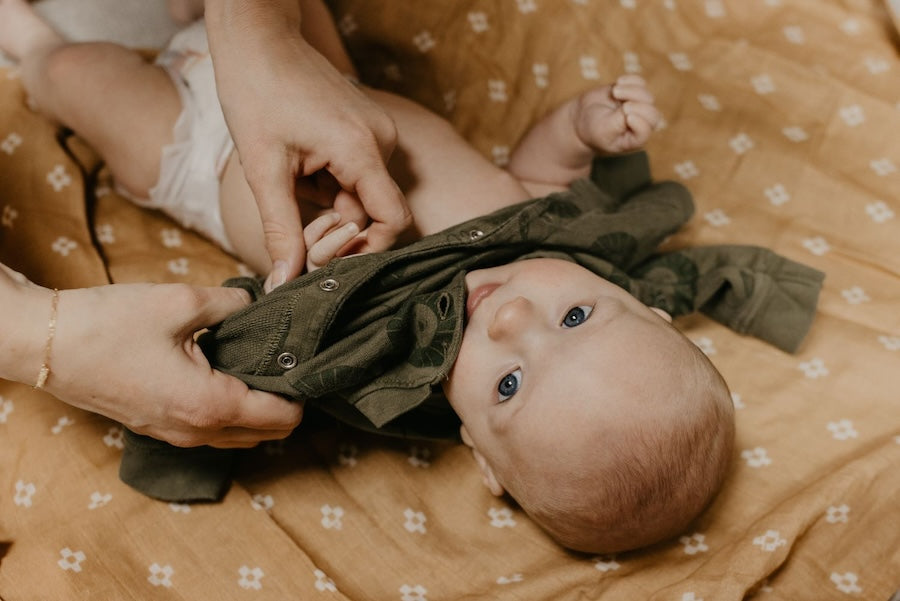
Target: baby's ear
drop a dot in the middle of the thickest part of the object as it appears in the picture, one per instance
(664, 314)
(487, 473)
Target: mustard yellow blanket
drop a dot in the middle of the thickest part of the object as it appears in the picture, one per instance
(781, 116)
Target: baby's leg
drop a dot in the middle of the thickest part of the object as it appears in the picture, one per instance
(121, 105)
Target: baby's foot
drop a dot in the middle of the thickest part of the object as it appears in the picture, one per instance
(23, 31)
(616, 118)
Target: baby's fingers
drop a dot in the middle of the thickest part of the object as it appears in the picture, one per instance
(630, 79)
(639, 130)
(633, 88)
(320, 226)
(631, 92)
(637, 111)
(325, 246)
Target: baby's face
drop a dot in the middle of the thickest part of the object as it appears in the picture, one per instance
(553, 357)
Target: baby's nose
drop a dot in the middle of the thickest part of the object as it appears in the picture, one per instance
(511, 318)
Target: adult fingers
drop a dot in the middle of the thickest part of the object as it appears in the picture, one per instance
(210, 305)
(246, 439)
(221, 411)
(382, 199)
(227, 438)
(238, 406)
(350, 208)
(271, 179)
(243, 438)
(387, 208)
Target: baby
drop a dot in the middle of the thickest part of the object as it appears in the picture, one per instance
(607, 425)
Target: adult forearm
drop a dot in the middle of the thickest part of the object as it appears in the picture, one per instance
(245, 25)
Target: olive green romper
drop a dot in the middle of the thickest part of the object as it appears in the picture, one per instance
(369, 338)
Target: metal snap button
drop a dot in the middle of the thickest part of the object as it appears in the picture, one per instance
(287, 360)
(329, 284)
(475, 235)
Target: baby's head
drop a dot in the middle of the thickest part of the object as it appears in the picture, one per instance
(608, 426)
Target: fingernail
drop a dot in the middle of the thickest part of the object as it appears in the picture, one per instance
(276, 277)
(351, 227)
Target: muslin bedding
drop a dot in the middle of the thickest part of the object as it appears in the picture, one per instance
(780, 116)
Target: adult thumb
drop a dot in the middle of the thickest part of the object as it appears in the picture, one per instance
(213, 304)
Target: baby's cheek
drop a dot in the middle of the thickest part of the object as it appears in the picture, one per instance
(460, 387)
(461, 373)
(452, 383)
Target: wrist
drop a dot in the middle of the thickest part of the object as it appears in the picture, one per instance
(28, 313)
(44, 372)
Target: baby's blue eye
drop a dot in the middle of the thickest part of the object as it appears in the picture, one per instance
(509, 385)
(576, 316)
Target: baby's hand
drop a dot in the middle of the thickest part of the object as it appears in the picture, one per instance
(616, 118)
(324, 240)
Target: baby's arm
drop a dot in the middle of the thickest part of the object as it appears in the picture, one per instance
(446, 181)
(611, 119)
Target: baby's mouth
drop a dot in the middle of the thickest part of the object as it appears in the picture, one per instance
(478, 295)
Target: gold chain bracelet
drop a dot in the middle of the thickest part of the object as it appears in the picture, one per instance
(51, 332)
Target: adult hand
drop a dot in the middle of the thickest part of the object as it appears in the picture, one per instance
(127, 351)
(292, 114)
